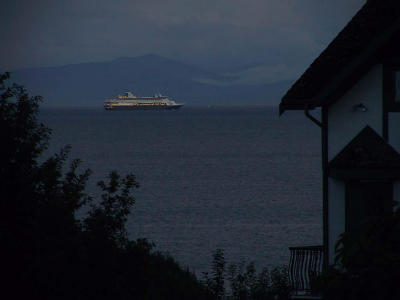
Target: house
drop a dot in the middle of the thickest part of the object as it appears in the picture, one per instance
(355, 84)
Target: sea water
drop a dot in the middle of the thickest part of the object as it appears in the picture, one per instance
(238, 178)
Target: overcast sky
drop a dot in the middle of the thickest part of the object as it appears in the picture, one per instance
(286, 34)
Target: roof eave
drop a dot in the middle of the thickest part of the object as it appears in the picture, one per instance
(324, 96)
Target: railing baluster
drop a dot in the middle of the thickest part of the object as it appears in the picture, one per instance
(305, 262)
(301, 270)
(292, 264)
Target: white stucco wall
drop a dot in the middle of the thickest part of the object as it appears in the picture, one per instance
(343, 125)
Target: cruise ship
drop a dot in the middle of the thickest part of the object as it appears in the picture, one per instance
(131, 102)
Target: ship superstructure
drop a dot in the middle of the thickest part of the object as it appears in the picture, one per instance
(131, 102)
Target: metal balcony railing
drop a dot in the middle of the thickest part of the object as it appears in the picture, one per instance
(305, 262)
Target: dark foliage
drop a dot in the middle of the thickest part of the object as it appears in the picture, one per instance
(48, 252)
(367, 263)
(216, 283)
(244, 281)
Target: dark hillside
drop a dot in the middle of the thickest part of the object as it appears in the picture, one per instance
(89, 84)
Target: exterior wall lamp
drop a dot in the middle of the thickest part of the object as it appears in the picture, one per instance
(360, 108)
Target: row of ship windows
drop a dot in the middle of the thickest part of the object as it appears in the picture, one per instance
(161, 103)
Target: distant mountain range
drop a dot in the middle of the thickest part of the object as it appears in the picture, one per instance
(89, 84)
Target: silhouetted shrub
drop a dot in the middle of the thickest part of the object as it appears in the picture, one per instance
(367, 263)
(48, 252)
(244, 281)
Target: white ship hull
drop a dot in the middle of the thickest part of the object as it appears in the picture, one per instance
(143, 107)
(131, 102)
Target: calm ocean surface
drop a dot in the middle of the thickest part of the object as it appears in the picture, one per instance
(241, 179)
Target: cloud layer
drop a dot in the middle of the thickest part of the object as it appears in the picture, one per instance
(283, 34)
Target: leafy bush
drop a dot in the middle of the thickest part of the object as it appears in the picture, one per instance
(244, 281)
(367, 263)
(48, 252)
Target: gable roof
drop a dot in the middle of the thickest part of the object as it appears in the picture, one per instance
(354, 50)
(366, 152)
